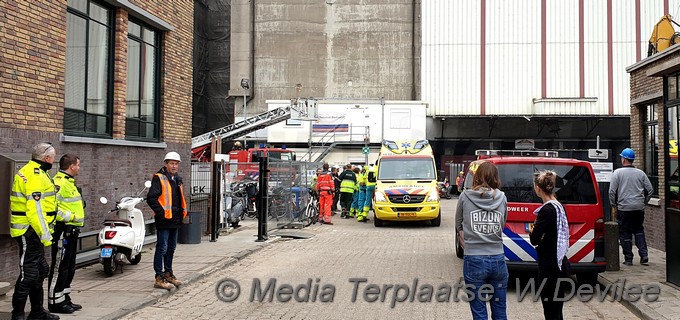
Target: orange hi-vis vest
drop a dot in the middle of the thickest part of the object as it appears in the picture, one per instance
(325, 182)
(165, 200)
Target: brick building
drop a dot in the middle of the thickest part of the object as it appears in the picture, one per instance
(654, 134)
(108, 80)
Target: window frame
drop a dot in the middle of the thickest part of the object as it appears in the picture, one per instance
(651, 162)
(108, 132)
(671, 203)
(157, 82)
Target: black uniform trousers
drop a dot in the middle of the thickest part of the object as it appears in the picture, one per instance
(33, 270)
(63, 266)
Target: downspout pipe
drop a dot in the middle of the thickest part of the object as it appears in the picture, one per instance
(252, 52)
(413, 49)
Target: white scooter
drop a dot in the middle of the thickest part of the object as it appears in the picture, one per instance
(122, 238)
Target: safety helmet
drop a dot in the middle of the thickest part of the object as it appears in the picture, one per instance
(462, 172)
(237, 143)
(172, 155)
(628, 153)
(360, 168)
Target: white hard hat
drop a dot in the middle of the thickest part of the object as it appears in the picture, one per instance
(172, 155)
(359, 167)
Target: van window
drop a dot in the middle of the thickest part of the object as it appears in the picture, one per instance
(574, 183)
(406, 169)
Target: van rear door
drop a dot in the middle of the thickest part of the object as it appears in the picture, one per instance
(575, 189)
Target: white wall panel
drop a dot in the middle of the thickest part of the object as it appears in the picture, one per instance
(562, 61)
(595, 55)
(513, 55)
(450, 56)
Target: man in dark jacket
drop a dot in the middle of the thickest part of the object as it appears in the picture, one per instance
(348, 181)
(167, 201)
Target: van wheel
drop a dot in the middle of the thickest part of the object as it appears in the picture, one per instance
(459, 251)
(436, 222)
(377, 222)
(589, 278)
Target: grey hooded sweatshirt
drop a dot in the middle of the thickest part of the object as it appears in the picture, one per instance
(481, 214)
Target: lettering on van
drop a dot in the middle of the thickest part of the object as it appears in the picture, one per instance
(518, 209)
(486, 222)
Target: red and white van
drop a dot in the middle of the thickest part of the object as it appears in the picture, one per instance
(576, 189)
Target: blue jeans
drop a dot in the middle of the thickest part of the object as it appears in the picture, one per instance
(166, 242)
(479, 270)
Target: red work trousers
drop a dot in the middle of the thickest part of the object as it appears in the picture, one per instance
(325, 203)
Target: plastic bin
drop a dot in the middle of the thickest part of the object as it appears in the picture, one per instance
(191, 233)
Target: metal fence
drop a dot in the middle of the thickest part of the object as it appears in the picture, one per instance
(199, 199)
(289, 187)
(288, 193)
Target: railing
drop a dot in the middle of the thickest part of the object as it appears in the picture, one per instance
(321, 143)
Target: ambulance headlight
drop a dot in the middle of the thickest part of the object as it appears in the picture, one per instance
(380, 197)
(433, 196)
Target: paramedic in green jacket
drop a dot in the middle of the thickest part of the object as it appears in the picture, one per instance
(348, 181)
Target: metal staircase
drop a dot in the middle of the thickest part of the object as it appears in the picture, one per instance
(243, 127)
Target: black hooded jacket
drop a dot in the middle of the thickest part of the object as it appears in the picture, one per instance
(152, 199)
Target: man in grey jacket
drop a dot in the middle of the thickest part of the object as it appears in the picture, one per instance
(629, 191)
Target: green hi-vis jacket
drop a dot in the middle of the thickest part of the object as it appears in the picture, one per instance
(71, 208)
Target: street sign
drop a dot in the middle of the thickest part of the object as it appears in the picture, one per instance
(601, 154)
(603, 171)
(365, 150)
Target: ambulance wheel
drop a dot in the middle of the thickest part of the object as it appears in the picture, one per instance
(377, 222)
(459, 251)
(436, 222)
(136, 259)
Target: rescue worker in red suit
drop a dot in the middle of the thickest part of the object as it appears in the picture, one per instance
(326, 189)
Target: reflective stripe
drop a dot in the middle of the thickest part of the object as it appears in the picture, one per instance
(23, 255)
(18, 194)
(56, 297)
(73, 199)
(79, 220)
(43, 225)
(65, 215)
(67, 290)
(19, 226)
(49, 194)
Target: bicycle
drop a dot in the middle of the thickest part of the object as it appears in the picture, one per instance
(311, 211)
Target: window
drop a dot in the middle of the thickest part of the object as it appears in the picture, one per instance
(672, 160)
(651, 145)
(574, 184)
(142, 113)
(88, 78)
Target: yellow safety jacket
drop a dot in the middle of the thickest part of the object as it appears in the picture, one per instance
(33, 203)
(362, 178)
(372, 174)
(71, 209)
(347, 184)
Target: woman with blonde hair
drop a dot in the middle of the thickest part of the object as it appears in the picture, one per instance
(550, 235)
(480, 218)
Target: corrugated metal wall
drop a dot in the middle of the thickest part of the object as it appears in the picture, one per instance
(513, 55)
(451, 55)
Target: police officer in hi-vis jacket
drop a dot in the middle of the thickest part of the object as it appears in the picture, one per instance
(33, 203)
(70, 219)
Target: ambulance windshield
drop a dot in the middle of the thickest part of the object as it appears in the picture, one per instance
(406, 169)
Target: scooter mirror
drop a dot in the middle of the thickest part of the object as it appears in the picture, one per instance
(147, 184)
(103, 200)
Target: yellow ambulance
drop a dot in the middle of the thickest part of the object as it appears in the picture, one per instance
(406, 186)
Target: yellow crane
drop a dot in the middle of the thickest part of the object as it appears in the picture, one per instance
(663, 36)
